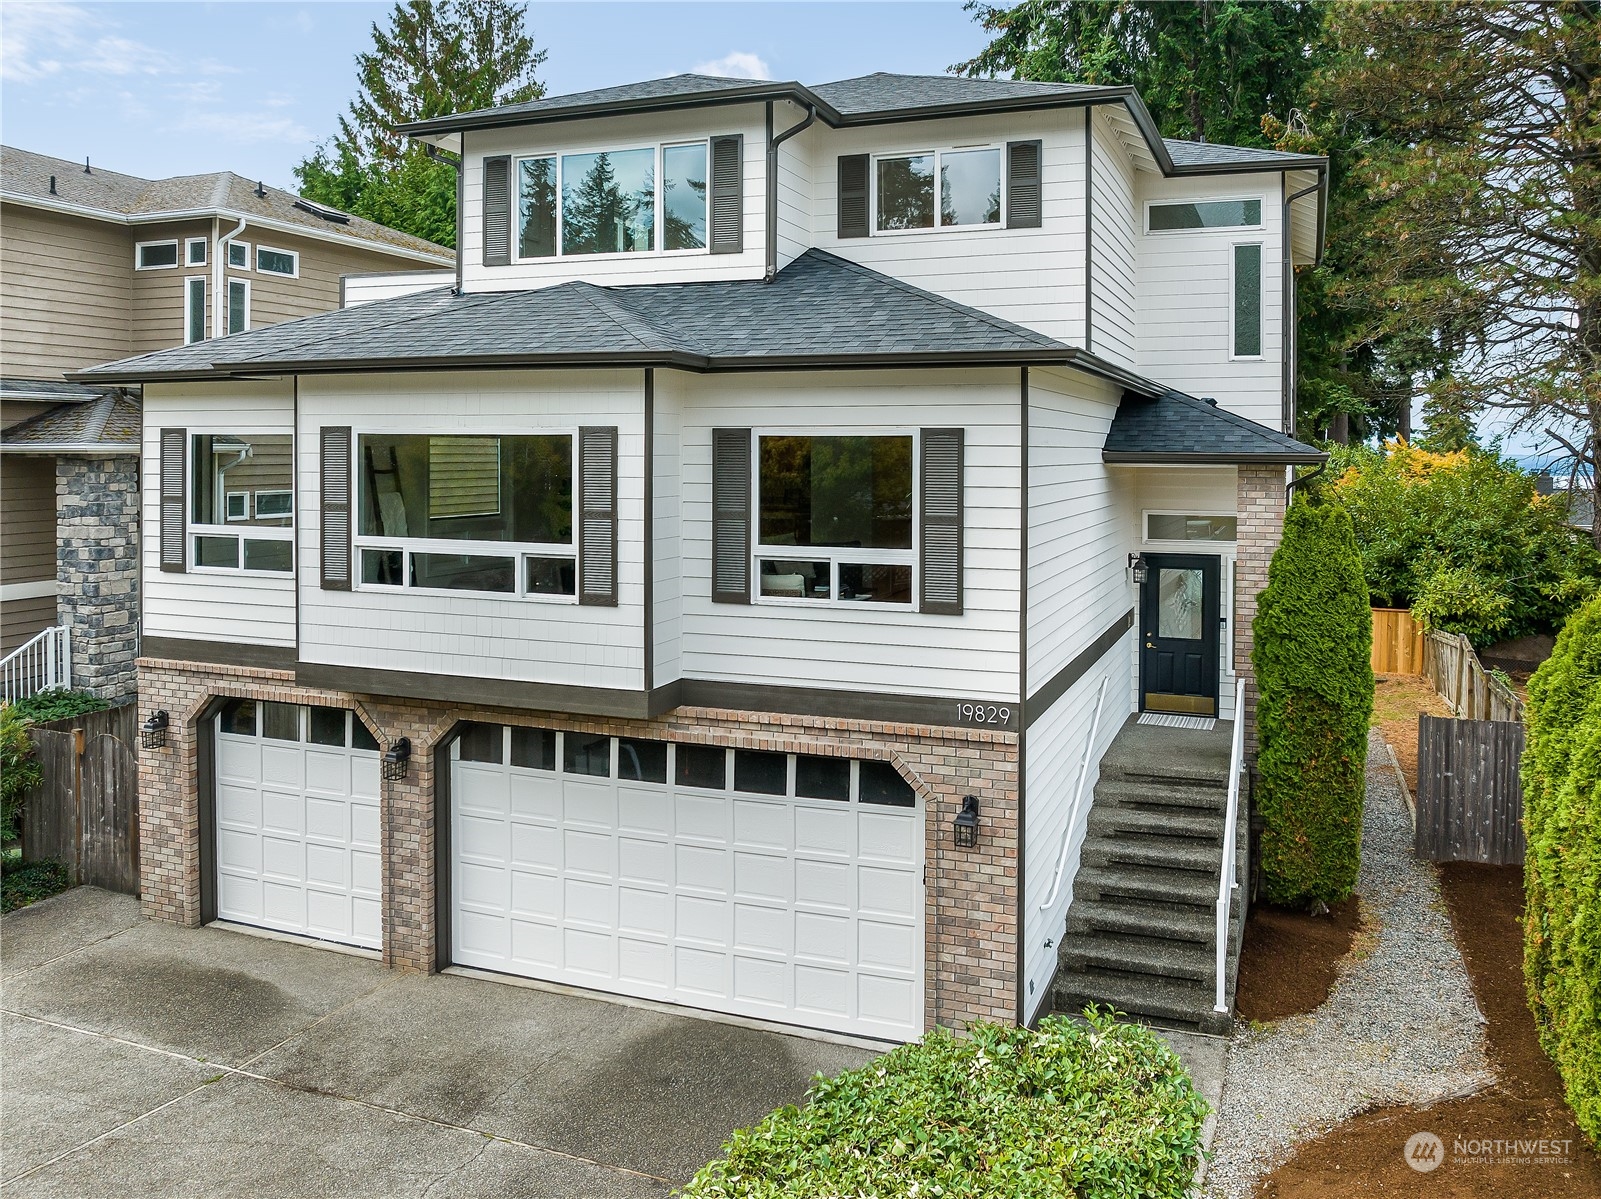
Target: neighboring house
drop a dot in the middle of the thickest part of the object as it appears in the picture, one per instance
(657, 611)
(94, 266)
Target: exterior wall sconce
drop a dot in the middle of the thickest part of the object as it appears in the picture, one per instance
(153, 732)
(397, 760)
(965, 827)
(1137, 567)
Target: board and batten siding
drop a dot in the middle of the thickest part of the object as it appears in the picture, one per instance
(67, 294)
(893, 651)
(1114, 233)
(1034, 277)
(747, 120)
(1184, 298)
(223, 606)
(462, 633)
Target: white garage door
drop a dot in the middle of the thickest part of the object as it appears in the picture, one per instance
(782, 886)
(297, 821)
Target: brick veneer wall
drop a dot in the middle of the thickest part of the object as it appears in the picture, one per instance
(1261, 498)
(971, 898)
(97, 566)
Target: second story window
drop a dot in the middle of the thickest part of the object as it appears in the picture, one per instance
(241, 515)
(155, 255)
(277, 262)
(609, 202)
(1203, 214)
(940, 189)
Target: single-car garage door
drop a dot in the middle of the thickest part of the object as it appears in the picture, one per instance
(297, 845)
(783, 886)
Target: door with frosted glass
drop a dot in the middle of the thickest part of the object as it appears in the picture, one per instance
(1180, 627)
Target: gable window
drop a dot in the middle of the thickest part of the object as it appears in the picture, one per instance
(195, 252)
(1246, 290)
(942, 189)
(194, 309)
(239, 255)
(238, 305)
(155, 255)
(1203, 214)
(467, 512)
(277, 262)
(609, 201)
(835, 516)
(227, 470)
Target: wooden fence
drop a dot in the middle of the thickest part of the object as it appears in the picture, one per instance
(85, 811)
(1397, 642)
(1460, 678)
(1470, 800)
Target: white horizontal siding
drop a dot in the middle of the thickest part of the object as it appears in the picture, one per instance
(363, 289)
(1113, 237)
(795, 171)
(623, 269)
(464, 634)
(231, 607)
(672, 390)
(974, 655)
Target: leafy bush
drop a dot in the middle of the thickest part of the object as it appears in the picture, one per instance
(1313, 658)
(58, 704)
(1098, 1112)
(22, 883)
(1562, 872)
(1462, 539)
(19, 773)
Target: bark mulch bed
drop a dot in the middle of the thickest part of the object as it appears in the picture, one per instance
(1290, 959)
(1397, 700)
(1363, 1156)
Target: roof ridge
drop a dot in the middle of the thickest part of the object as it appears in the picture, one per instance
(99, 413)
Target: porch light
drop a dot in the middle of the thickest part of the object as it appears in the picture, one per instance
(397, 760)
(965, 826)
(1136, 565)
(153, 732)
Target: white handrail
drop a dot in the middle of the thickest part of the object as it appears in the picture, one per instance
(1078, 796)
(42, 662)
(1226, 882)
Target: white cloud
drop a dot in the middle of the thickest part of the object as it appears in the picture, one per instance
(245, 127)
(736, 64)
(52, 41)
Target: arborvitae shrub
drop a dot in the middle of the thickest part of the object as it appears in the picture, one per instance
(1313, 658)
(1562, 873)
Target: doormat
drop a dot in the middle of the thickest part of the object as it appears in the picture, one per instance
(1168, 721)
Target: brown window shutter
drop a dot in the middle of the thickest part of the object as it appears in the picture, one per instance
(731, 516)
(940, 546)
(335, 502)
(497, 210)
(1024, 206)
(854, 170)
(597, 515)
(174, 503)
(728, 195)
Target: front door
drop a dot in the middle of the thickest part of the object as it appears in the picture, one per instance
(1179, 621)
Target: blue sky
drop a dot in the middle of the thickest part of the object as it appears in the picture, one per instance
(173, 89)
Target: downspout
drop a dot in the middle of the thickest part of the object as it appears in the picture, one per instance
(1298, 480)
(772, 182)
(1289, 337)
(452, 160)
(219, 327)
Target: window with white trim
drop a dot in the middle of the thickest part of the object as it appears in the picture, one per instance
(1191, 526)
(835, 517)
(155, 255)
(238, 305)
(270, 261)
(937, 189)
(467, 512)
(227, 532)
(194, 251)
(1245, 292)
(239, 255)
(1190, 216)
(608, 201)
(194, 309)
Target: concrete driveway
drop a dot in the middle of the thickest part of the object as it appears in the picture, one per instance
(146, 1060)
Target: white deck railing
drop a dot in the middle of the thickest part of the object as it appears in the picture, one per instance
(1226, 882)
(1078, 797)
(36, 665)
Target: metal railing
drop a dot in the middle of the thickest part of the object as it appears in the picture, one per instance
(1226, 882)
(1078, 797)
(37, 665)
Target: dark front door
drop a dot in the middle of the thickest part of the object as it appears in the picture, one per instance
(1179, 629)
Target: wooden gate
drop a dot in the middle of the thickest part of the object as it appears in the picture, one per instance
(85, 811)
(1470, 798)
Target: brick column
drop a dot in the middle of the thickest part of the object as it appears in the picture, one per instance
(1260, 497)
(97, 565)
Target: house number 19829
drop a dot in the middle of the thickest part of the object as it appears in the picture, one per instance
(983, 714)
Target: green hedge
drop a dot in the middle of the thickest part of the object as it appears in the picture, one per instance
(1313, 657)
(1562, 873)
(1103, 1111)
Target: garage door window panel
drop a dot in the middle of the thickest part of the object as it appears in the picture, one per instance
(702, 766)
(641, 761)
(241, 507)
(533, 749)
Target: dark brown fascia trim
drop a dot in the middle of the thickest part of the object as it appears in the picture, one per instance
(1062, 681)
(460, 689)
(1019, 949)
(826, 702)
(1138, 457)
(218, 653)
(1252, 168)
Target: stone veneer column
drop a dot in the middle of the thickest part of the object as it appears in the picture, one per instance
(97, 566)
(1260, 496)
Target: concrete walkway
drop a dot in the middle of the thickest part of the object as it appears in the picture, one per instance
(147, 1060)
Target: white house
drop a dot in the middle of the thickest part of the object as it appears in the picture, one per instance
(775, 485)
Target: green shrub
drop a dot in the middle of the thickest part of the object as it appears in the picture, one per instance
(1313, 658)
(22, 883)
(58, 704)
(1562, 872)
(19, 773)
(1098, 1112)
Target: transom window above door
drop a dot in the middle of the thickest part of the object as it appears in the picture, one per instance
(622, 201)
(241, 502)
(938, 189)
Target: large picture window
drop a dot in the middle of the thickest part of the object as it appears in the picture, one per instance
(609, 201)
(943, 189)
(241, 512)
(467, 512)
(835, 518)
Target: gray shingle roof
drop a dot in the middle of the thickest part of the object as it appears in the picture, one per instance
(26, 174)
(1177, 428)
(882, 92)
(57, 390)
(112, 421)
(1209, 154)
(673, 87)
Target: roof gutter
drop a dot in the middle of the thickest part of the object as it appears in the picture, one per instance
(1138, 458)
(772, 182)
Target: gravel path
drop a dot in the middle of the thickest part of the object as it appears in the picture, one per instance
(1400, 1026)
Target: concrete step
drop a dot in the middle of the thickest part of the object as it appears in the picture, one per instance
(1122, 791)
(1099, 883)
(1158, 1001)
(1186, 923)
(1173, 853)
(1137, 955)
(1200, 826)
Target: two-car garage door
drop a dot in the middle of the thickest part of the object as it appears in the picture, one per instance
(782, 886)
